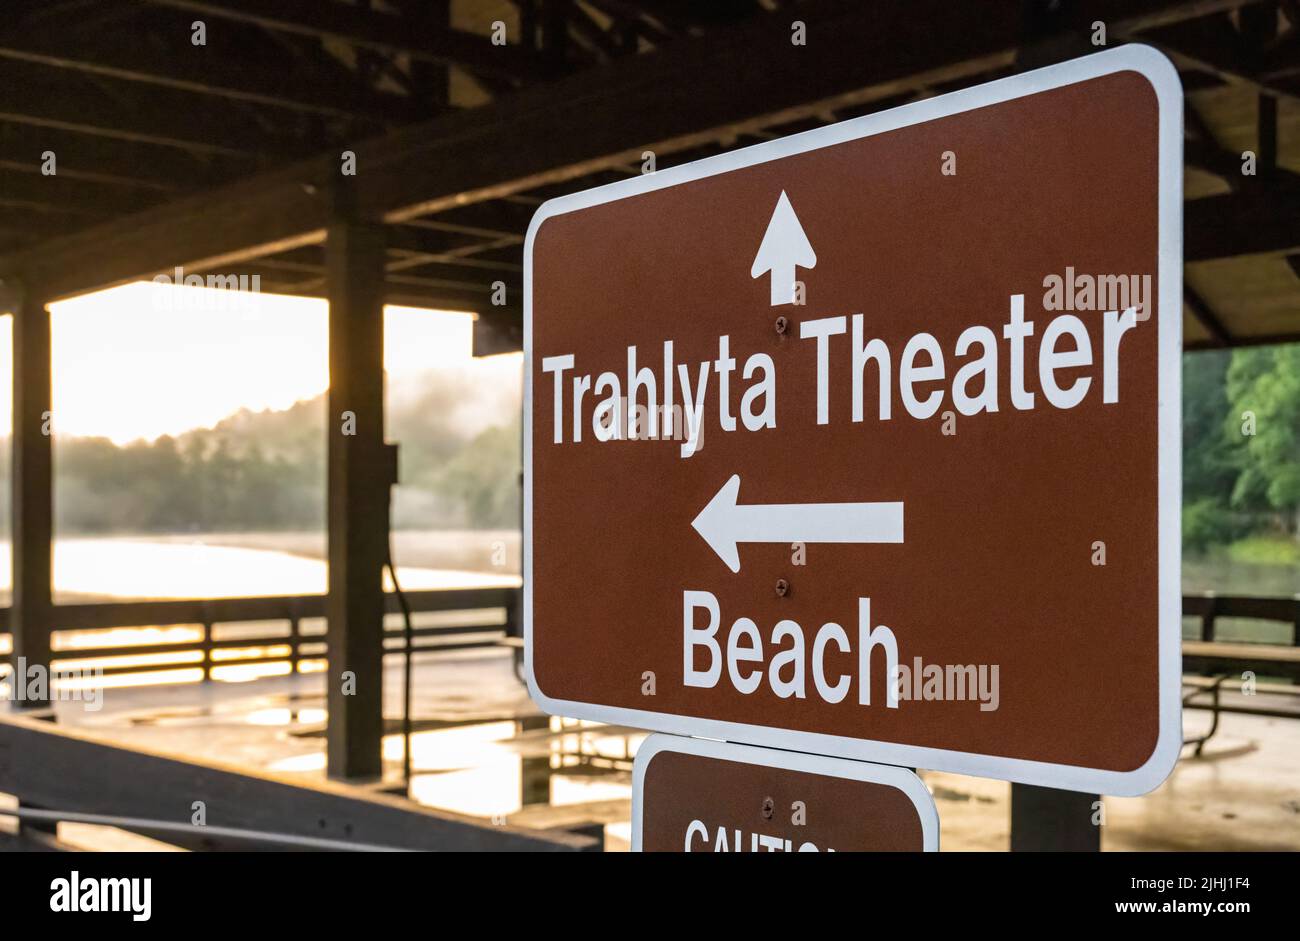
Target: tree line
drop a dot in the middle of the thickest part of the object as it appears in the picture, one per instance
(1241, 445)
(459, 466)
(460, 461)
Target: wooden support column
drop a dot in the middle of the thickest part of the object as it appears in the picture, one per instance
(358, 484)
(1047, 819)
(32, 495)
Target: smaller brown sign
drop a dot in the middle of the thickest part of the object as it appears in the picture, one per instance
(701, 796)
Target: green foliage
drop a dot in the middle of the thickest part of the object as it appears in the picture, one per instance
(1265, 550)
(1241, 450)
(484, 478)
(1265, 383)
(1206, 523)
(252, 471)
(1209, 467)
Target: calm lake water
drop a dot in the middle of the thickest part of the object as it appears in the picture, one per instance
(242, 565)
(233, 565)
(250, 564)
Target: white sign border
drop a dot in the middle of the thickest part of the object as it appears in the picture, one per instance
(888, 775)
(1163, 77)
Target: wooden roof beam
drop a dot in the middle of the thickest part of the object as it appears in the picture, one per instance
(1252, 222)
(1205, 316)
(1210, 44)
(683, 96)
(93, 197)
(370, 30)
(421, 247)
(634, 21)
(1258, 339)
(209, 76)
(175, 170)
(81, 108)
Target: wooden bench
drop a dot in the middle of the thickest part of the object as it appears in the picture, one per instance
(1223, 656)
(1223, 664)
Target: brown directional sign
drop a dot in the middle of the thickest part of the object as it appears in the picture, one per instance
(865, 442)
(699, 796)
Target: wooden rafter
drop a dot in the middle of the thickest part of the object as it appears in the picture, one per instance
(432, 178)
(1211, 44)
(209, 75)
(1205, 316)
(1241, 224)
(78, 107)
(384, 32)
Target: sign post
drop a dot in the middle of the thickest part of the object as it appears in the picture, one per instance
(865, 442)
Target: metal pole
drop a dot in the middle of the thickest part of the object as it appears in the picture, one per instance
(1047, 819)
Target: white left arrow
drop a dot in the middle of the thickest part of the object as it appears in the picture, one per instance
(784, 248)
(724, 523)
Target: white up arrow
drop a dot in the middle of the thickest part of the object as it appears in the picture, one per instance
(784, 248)
(724, 523)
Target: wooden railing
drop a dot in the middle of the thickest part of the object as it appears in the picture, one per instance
(479, 617)
(490, 615)
(1210, 607)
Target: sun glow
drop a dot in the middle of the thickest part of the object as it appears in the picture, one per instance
(145, 360)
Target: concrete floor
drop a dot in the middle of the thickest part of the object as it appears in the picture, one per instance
(483, 748)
